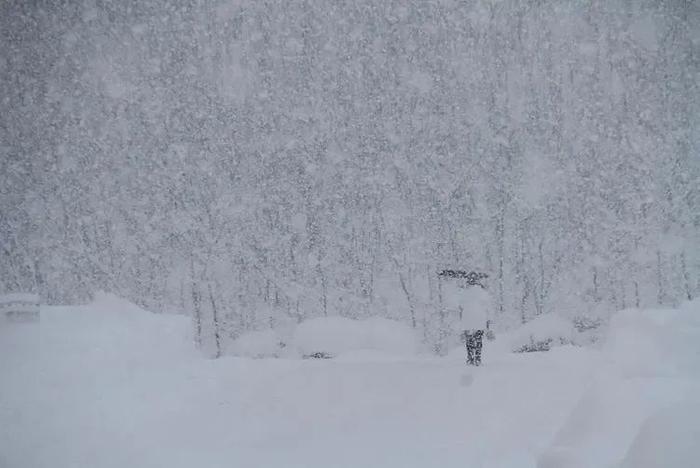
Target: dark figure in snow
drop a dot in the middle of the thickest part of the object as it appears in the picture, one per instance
(474, 340)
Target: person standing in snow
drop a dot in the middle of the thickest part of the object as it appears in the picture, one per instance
(474, 322)
(474, 342)
(469, 295)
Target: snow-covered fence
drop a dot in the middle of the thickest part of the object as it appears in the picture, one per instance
(19, 307)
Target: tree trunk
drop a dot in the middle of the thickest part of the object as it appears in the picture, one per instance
(196, 304)
(596, 297)
(501, 275)
(409, 298)
(622, 295)
(686, 278)
(523, 300)
(215, 316)
(324, 287)
(659, 280)
(539, 294)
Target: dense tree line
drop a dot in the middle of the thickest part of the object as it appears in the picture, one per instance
(258, 162)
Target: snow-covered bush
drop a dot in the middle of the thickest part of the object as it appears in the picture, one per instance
(541, 334)
(589, 330)
(583, 323)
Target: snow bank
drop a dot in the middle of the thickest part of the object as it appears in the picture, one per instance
(667, 439)
(649, 363)
(635, 342)
(114, 328)
(655, 341)
(337, 335)
(605, 420)
(19, 307)
(86, 378)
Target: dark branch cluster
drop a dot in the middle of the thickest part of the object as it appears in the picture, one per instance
(472, 278)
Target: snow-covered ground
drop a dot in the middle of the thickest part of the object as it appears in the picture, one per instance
(110, 385)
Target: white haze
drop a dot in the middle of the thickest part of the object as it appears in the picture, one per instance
(253, 163)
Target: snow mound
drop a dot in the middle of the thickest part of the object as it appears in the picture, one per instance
(258, 344)
(337, 335)
(667, 439)
(539, 334)
(112, 327)
(655, 341)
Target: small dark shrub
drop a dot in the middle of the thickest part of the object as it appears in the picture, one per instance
(317, 355)
(541, 345)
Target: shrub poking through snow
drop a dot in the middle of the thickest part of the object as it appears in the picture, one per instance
(317, 355)
(542, 345)
(583, 323)
(541, 334)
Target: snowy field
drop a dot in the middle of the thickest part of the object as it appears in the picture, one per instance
(110, 385)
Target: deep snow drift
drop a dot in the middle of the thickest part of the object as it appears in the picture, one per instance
(110, 385)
